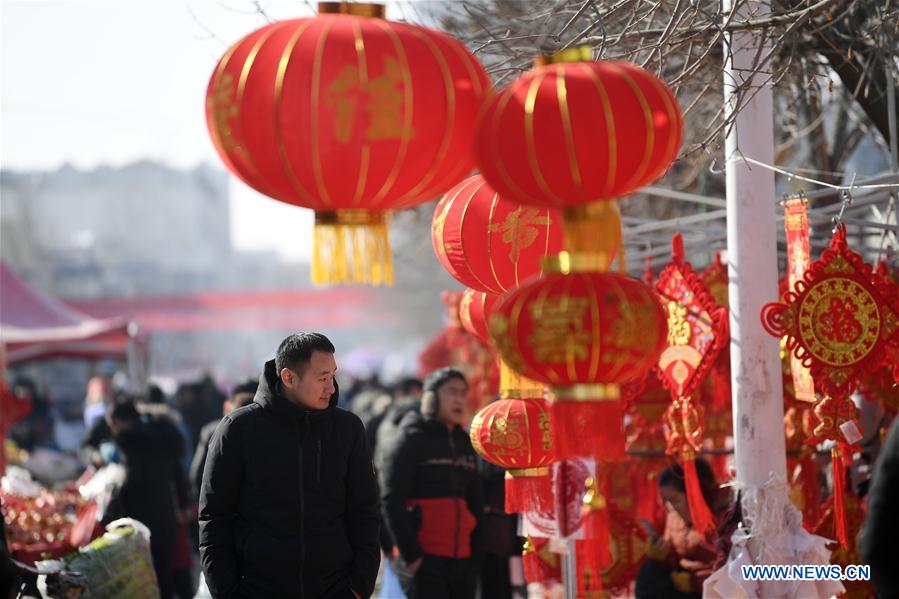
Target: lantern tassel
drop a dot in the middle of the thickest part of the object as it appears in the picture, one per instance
(703, 519)
(597, 554)
(839, 497)
(588, 428)
(351, 246)
(528, 493)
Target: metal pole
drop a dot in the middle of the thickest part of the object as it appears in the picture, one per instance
(570, 573)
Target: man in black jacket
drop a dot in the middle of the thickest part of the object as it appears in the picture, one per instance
(881, 528)
(431, 494)
(289, 501)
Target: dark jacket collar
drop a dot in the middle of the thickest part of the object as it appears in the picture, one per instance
(270, 397)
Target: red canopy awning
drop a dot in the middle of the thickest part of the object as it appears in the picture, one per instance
(34, 325)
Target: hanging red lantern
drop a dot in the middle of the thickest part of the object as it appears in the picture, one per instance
(350, 115)
(516, 434)
(489, 243)
(583, 333)
(475, 309)
(576, 131)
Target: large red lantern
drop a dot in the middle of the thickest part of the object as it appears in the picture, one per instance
(572, 133)
(583, 333)
(516, 435)
(489, 243)
(350, 116)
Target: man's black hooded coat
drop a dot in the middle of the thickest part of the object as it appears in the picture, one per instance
(289, 502)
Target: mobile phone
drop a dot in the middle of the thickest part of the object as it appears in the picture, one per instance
(649, 528)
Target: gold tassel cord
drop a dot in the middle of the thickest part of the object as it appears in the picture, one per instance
(513, 385)
(351, 246)
(594, 228)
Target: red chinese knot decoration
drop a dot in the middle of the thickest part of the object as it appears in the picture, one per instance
(516, 435)
(838, 319)
(489, 243)
(350, 116)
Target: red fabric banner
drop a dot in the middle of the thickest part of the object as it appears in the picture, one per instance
(798, 258)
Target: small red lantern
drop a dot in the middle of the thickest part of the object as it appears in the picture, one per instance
(489, 243)
(578, 131)
(516, 435)
(475, 309)
(583, 333)
(350, 116)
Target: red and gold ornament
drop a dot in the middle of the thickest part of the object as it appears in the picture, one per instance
(839, 320)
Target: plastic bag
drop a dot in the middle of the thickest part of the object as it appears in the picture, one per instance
(116, 565)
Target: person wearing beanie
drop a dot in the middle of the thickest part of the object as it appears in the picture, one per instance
(431, 494)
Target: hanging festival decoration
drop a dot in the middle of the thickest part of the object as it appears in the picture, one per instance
(574, 131)
(697, 331)
(583, 333)
(837, 421)
(540, 564)
(489, 243)
(846, 555)
(646, 445)
(516, 434)
(838, 319)
(798, 259)
(350, 115)
(802, 468)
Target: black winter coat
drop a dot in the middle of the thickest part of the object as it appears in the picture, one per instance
(430, 491)
(289, 502)
(155, 485)
(881, 529)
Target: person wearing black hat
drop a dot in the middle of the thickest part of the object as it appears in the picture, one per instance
(431, 494)
(289, 499)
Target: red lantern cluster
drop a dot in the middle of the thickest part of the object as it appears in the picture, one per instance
(475, 309)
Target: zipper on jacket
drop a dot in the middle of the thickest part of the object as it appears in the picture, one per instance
(318, 461)
(455, 499)
(302, 505)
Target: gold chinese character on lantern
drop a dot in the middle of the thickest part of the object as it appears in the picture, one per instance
(559, 332)
(382, 98)
(519, 229)
(221, 103)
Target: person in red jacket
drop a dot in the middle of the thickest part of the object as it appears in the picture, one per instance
(431, 494)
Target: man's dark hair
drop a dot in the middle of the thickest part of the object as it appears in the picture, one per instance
(247, 386)
(297, 350)
(155, 395)
(441, 376)
(125, 411)
(430, 403)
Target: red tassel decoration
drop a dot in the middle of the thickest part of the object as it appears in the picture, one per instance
(808, 478)
(839, 496)
(589, 581)
(540, 564)
(529, 490)
(597, 554)
(588, 428)
(703, 519)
